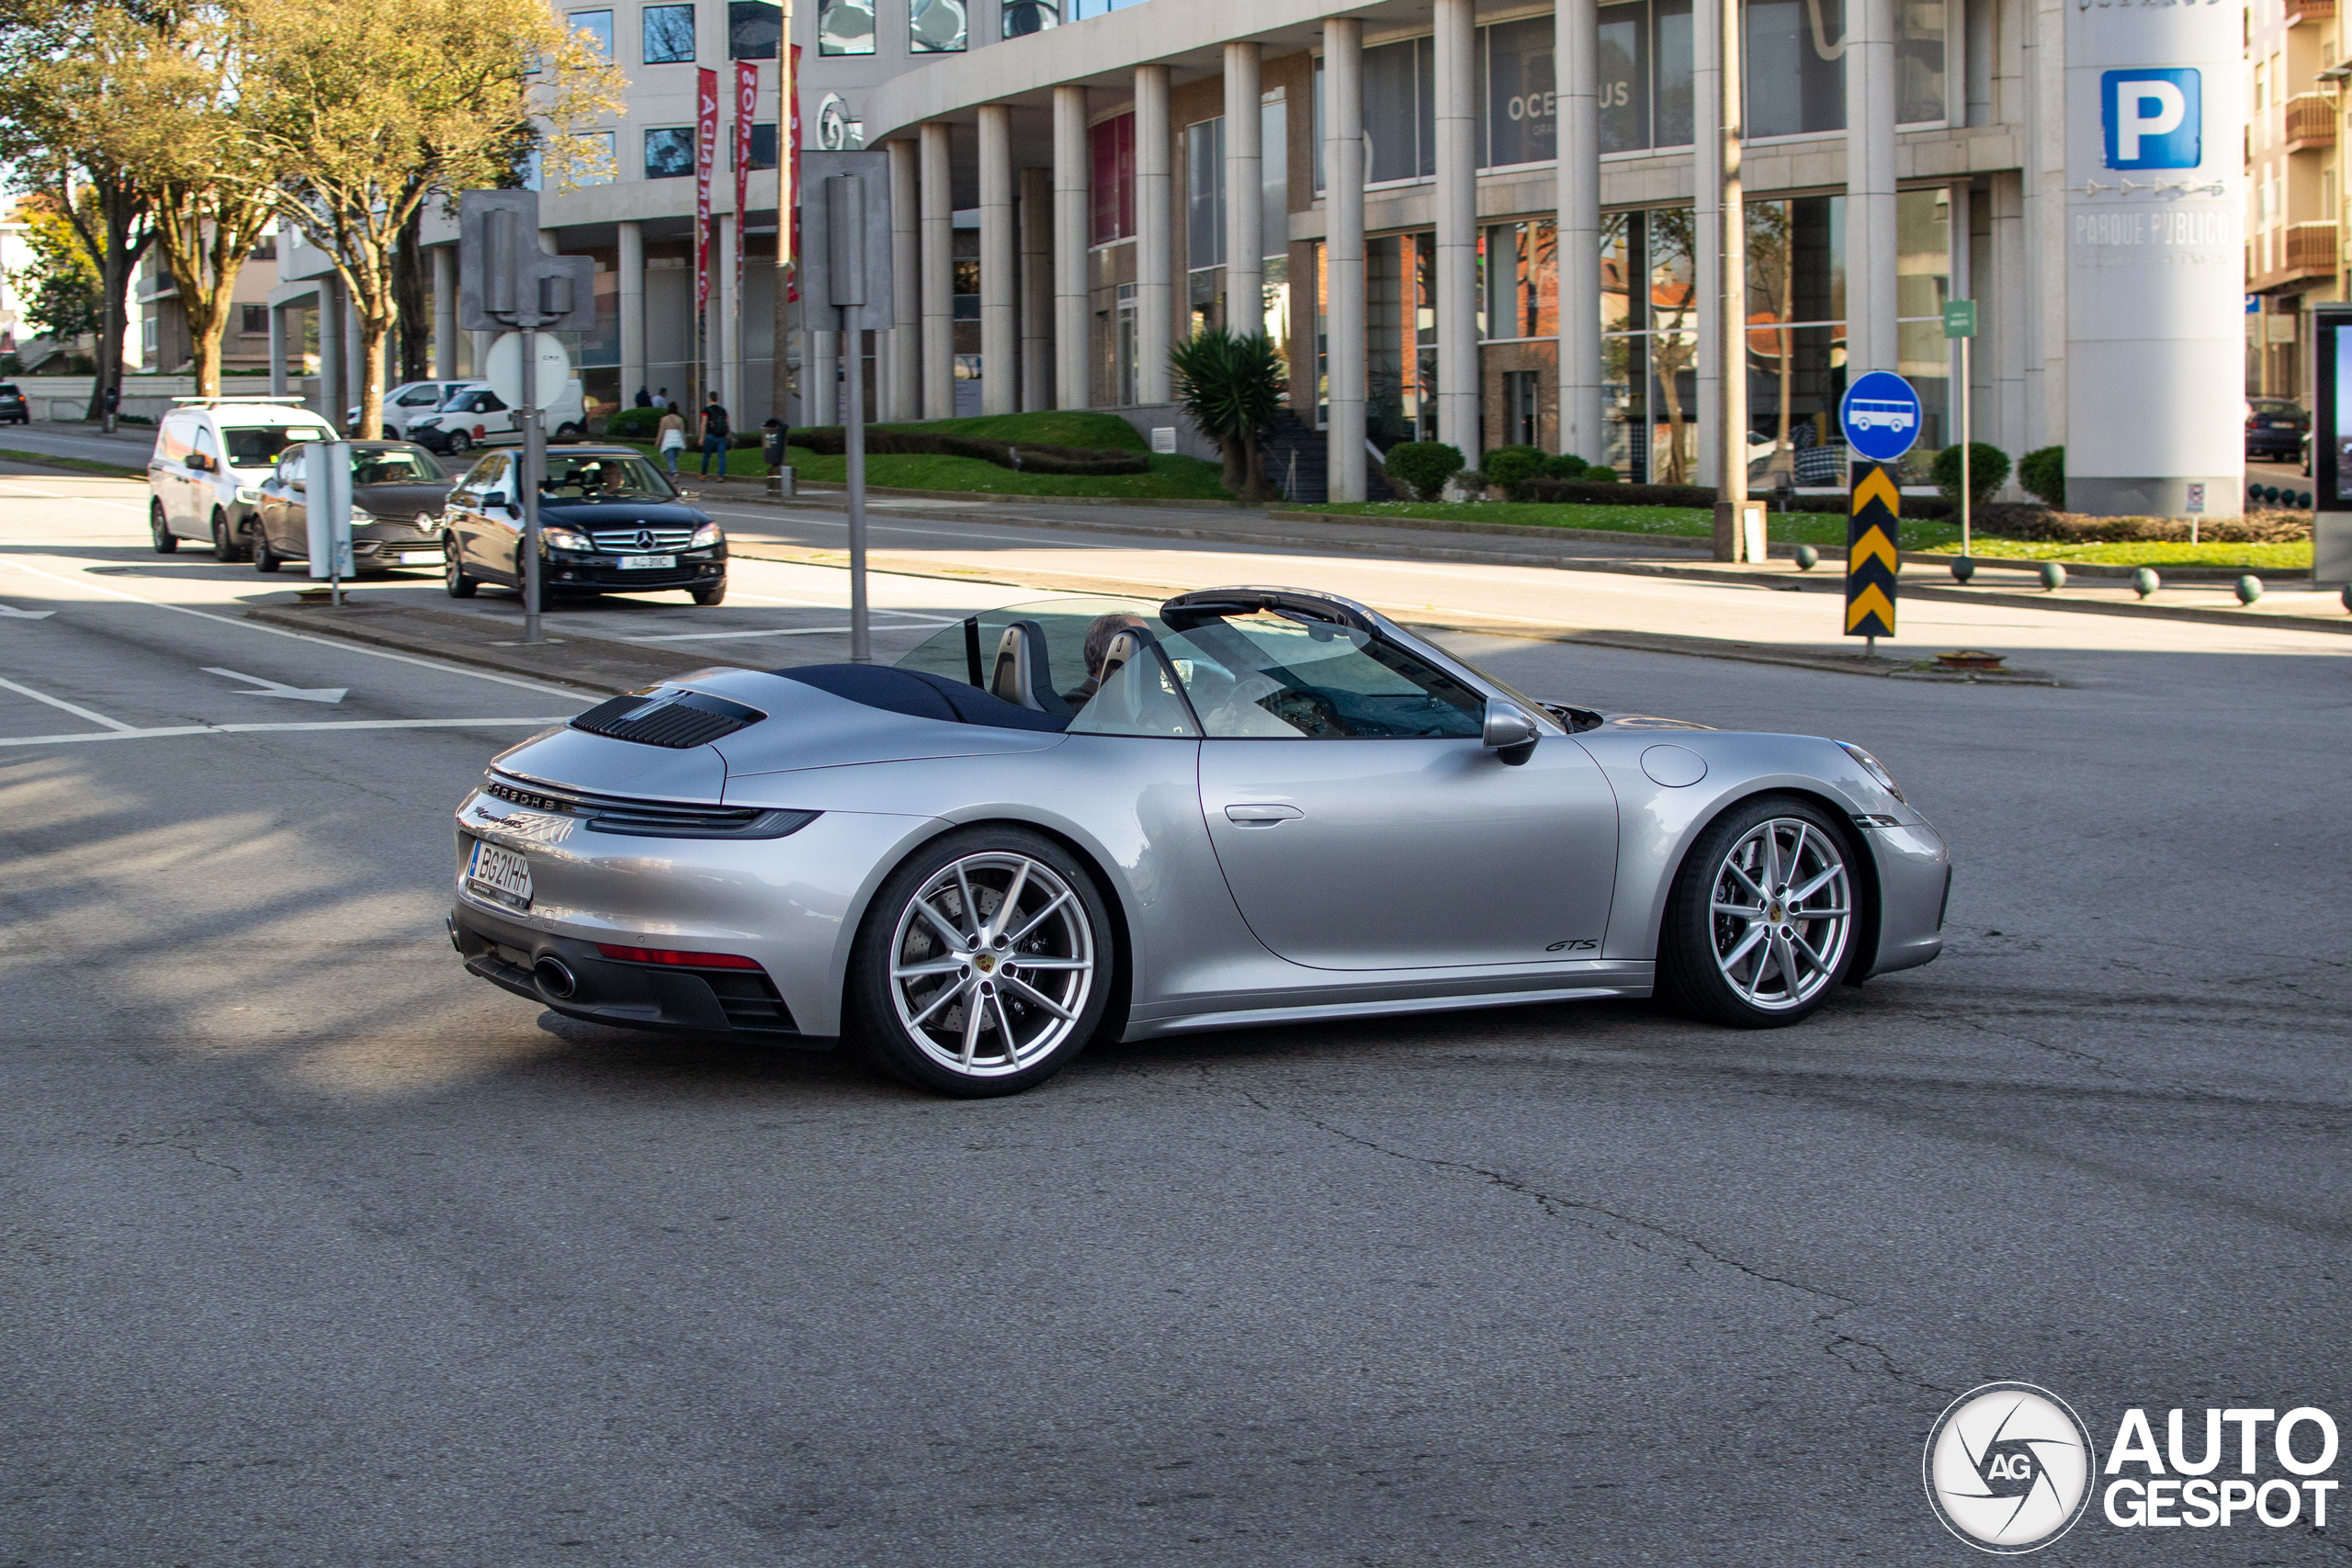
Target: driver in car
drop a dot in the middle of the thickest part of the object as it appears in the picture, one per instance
(1098, 648)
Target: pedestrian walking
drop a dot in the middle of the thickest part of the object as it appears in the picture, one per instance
(661, 400)
(671, 438)
(644, 398)
(715, 430)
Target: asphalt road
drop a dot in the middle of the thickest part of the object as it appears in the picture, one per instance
(316, 1250)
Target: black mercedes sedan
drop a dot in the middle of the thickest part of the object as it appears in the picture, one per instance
(397, 492)
(609, 523)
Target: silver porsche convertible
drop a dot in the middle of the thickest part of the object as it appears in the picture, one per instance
(1090, 818)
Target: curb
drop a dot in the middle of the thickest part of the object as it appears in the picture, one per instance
(589, 663)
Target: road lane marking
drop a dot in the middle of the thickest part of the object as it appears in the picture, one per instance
(124, 734)
(539, 686)
(776, 631)
(15, 614)
(275, 689)
(77, 711)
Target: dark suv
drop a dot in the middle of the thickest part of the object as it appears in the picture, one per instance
(2274, 428)
(13, 409)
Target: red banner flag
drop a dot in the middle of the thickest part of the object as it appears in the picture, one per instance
(747, 104)
(787, 190)
(706, 154)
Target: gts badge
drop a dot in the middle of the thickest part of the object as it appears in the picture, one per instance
(1574, 944)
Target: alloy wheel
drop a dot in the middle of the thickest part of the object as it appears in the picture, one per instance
(1781, 913)
(993, 964)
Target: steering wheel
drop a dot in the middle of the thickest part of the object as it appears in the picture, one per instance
(1308, 713)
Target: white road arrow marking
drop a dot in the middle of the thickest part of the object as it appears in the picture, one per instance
(272, 689)
(24, 614)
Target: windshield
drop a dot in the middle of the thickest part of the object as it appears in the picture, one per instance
(604, 475)
(396, 466)
(962, 654)
(260, 445)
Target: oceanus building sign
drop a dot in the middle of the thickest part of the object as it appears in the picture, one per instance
(2155, 257)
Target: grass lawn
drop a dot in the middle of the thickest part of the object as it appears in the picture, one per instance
(79, 465)
(2296, 557)
(1047, 427)
(1172, 478)
(1826, 529)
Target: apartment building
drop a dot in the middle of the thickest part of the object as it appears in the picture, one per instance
(2295, 74)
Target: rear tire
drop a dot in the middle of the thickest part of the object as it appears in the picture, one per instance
(453, 573)
(1760, 921)
(459, 444)
(166, 540)
(986, 1001)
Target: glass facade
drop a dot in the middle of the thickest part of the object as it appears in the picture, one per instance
(1400, 111)
(937, 26)
(845, 26)
(669, 152)
(598, 25)
(1112, 186)
(1796, 69)
(669, 32)
(1204, 194)
(1796, 342)
(1022, 17)
(1516, 83)
(754, 29)
(1400, 367)
(1521, 267)
(1922, 284)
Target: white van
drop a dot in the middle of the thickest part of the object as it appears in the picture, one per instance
(408, 402)
(476, 416)
(211, 455)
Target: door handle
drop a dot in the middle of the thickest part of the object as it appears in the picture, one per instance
(1261, 816)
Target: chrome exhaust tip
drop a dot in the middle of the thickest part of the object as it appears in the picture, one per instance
(555, 978)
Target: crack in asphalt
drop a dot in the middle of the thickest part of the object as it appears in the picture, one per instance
(125, 1140)
(1584, 1210)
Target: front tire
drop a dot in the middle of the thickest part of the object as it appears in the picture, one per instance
(266, 560)
(453, 573)
(459, 444)
(1760, 922)
(166, 540)
(224, 544)
(715, 595)
(983, 965)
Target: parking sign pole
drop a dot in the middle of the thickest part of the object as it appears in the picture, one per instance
(846, 225)
(535, 460)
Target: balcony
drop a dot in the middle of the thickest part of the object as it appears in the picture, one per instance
(2310, 11)
(2311, 122)
(2311, 247)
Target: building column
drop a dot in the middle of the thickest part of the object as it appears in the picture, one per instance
(2045, 225)
(1706, 252)
(632, 309)
(1457, 228)
(1245, 202)
(1871, 341)
(445, 312)
(1730, 433)
(1346, 344)
(2003, 323)
(820, 371)
(1577, 23)
(999, 289)
(1036, 216)
(1071, 178)
(1155, 237)
(903, 383)
(277, 349)
(354, 358)
(329, 306)
(728, 334)
(938, 275)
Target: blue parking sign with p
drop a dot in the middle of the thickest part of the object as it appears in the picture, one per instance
(2152, 118)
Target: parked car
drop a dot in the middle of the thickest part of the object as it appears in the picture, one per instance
(609, 523)
(398, 492)
(409, 401)
(474, 416)
(1114, 820)
(2274, 428)
(13, 407)
(211, 456)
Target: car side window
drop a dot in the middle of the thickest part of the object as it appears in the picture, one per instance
(477, 478)
(171, 442)
(289, 469)
(1265, 677)
(488, 403)
(205, 445)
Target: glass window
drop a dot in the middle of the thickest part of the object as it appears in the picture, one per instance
(1204, 194)
(1112, 188)
(762, 148)
(845, 26)
(1796, 364)
(1022, 17)
(669, 34)
(1267, 677)
(1796, 73)
(1141, 698)
(669, 152)
(1670, 102)
(598, 159)
(597, 24)
(1394, 110)
(1523, 280)
(1273, 177)
(1624, 78)
(754, 29)
(1919, 61)
(1522, 109)
(395, 465)
(603, 477)
(936, 27)
(260, 445)
(254, 322)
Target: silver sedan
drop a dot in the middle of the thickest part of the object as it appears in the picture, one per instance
(1090, 819)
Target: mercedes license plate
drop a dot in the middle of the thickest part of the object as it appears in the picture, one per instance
(501, 873)
(648, 563)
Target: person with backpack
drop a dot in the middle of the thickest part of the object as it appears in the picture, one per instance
(715, 430)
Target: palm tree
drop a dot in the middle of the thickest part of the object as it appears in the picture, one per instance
(1232, 387)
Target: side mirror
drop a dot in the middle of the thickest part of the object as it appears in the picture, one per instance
(1508, 732)
(496, 498)
(199, 463)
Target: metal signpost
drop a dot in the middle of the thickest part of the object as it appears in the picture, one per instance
(326, 512)
(1960, 325)
(845, 263)
(1880, 417)
(505, 281)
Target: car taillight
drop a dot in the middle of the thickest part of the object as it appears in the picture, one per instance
(672, 956)
(480, 430)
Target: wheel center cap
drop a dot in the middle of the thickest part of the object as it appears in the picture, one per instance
(1773, 916)
(984, 961)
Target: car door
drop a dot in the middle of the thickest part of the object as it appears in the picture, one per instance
(494, 520)
(203, 484)
(166, 471)
(1360, 821)
(286, 515)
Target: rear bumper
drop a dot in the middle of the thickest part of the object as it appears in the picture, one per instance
(634, 996)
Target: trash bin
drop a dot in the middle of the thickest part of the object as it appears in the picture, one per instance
(772, 439)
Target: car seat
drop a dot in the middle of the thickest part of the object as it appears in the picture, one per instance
(1023, 673)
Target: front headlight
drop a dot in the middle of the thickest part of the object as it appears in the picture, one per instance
(566, 539)
(1874, 767)
(708, 533)
(361, 517)
(249, 494)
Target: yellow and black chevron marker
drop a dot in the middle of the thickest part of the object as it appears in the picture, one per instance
(1872, 565)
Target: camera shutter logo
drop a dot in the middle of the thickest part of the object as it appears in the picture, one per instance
(2008, 1468)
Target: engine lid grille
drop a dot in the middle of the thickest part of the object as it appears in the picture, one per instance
(647, 819)
(666, 715)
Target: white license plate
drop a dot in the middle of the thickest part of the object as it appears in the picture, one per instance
(409, 558)
(499, 872)
(648, 563)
